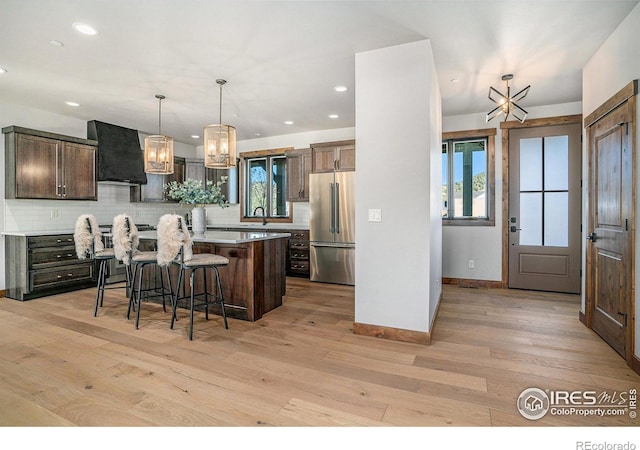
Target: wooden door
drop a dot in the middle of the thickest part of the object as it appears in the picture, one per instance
(544, 208)
(37, 168)
(609, 263)
(78, 169)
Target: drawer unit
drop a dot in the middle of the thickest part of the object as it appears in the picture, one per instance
(298, 260)
(37, 266)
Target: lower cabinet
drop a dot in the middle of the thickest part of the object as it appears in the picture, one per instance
(253, 283)
(37, 266)
(298, 261)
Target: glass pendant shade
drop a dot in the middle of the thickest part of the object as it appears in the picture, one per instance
(158, 154)
(220, 141)
(158, 149)
(219, 146)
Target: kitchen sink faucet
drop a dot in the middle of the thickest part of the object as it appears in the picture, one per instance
(264, 217)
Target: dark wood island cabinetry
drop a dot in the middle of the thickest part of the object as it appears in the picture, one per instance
(253, 283)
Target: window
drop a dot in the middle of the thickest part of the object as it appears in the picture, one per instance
(468, 177)
(265, 186)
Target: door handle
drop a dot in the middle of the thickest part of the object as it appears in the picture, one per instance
(592, 237)
(513, 229)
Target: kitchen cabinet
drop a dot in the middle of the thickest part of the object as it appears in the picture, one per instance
(298, 260)
(154, 190)
(253, 283)
(196, 170)
(298, 169)
(41, 265)
(339, 156)
(42, 165)
(297, 257)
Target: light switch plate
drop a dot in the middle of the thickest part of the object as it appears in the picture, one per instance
(375, 215)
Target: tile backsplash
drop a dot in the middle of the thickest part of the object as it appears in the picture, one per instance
(51, 215)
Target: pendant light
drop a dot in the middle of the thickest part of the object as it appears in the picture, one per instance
(158, 149)
(507, 103)
(220, 142)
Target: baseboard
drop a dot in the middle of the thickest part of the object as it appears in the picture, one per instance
(463, 282)
(582, 317)
(435, 315)
(393, 334)
(635, 364)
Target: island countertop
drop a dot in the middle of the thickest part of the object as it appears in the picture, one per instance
(225, 237)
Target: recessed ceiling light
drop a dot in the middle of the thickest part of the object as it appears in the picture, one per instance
(257, 134)
(195, 136)
(3, 70)
(288, 122)
(56, 43)
(333, 116)
(84, 29)
(340, 88)
(74, 104)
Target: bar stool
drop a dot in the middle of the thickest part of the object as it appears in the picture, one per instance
(125, 243)
(89, 244)
(175, 246)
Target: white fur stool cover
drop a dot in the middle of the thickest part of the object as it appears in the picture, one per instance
(173, 235)
(87, 233)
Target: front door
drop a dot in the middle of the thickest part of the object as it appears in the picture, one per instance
(544, 208)
(610, 229)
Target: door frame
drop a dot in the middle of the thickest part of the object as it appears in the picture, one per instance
(505, 127)
(626, 94)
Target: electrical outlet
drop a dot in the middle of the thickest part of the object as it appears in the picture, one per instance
(375, 215)
(472, 264)
(54, 213)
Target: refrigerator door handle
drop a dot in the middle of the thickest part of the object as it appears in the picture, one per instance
(332, 223)
(336, 205)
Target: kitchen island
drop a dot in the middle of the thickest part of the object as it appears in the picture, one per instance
(253, 283)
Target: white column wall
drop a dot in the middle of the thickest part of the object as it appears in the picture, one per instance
(398, 135)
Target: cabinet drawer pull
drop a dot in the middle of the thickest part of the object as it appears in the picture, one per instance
(58, 240)
(69, 274)
(58, 256)
(59, 277)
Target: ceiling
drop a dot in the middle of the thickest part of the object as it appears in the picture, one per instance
(281, 59)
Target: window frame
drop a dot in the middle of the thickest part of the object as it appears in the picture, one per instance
(449, 138)
(245, 158)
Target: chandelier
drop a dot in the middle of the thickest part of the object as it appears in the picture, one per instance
(220, 142)
(158, 149)
(507, 103)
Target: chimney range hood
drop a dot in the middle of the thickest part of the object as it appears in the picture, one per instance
(120, 157)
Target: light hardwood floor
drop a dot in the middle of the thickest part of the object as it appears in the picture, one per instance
(300, 365)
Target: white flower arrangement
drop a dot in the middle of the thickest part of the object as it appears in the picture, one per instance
(192, 192)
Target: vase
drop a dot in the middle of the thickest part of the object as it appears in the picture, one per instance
(198, 220)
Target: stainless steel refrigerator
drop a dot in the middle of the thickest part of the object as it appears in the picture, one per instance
(332, 227)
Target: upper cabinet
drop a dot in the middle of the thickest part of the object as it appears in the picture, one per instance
(42, 165)
(298, 169)
(196, 170)
(154, 190)
(339, 156)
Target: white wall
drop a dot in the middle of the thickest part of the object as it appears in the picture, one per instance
(398, 134)
(35, 215)
(614, 65)
(484, 244)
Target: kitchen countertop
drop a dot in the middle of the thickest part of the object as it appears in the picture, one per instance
(37, 233)
(212, 236)
(225, 237)
(258, 226)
